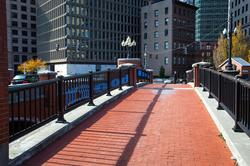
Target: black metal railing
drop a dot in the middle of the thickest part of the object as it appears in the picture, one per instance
(33, 105)
(143, 75)
(232, 95)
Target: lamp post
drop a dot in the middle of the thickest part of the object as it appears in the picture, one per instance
(128, 43)
(145, 60)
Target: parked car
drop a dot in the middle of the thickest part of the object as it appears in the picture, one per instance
(25, 78)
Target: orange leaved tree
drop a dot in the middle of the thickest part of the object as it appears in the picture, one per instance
(31, 66)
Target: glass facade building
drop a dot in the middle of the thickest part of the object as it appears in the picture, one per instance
(211, 19)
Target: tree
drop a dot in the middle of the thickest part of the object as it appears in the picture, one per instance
(220, 53)
(31, 66)
(240, 47)
(162, 72)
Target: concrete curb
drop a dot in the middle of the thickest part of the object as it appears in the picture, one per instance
(64, 128)
(225, 128)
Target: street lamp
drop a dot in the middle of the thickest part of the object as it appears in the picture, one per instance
(128, 43)
(145, 60)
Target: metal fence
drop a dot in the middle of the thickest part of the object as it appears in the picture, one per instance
(232, 94)
(33, 105)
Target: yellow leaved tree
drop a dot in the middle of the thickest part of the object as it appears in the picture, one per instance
(240, 47)
(220, 52)
(31, 66)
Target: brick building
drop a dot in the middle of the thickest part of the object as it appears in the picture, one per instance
(4, 119)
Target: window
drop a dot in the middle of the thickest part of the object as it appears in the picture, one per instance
(14, 40)
(14, 23)
(166, 61)
(145, 47)
(33, 34)
(166, 10)
(24, 33)
(33, 50)
(156, 46)
(24, 16)
(156, 56)
(15, 49)
(16, 58)
(145, 35)
(13, 7)
(23, 8)
(166, 32)
(145, 24)
(24, 41)
(14, 32)
(156, 13)
(156, 23)
(23, 1)
(24, 25)
(13, 15)
(25, 49)
(156, 34)
(24, 58)
(33, 10)
(166, 45)
(145, 15)
(166, 21)
(33, 18)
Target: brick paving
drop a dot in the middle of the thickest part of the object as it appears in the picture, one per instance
(157, 125)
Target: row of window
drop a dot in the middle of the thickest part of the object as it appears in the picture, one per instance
(237, 2)
(243, 9)
(24, 33)
(32, 2)
(23, 16)
(156, 13)
(24, 41)
(24, 49)
(156, 23)
(156, 34)
(157, 46)
(23, 8)
(23, 24)
(17, 58)
(242, 21)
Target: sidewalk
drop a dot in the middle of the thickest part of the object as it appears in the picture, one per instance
(157, 125)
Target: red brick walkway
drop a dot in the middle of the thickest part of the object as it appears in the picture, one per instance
(157, 125)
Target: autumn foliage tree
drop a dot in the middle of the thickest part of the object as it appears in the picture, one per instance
(31, 66)
(240, 47)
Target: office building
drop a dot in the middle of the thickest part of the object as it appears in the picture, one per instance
(241, 14)
(211, 19)
(82, 35)
(21, 27)
(168, 34)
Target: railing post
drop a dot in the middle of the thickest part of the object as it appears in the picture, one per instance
(236, 127)
(210, 84)
(108, 83)
(129, 79)
(219, 92)
(204, 79)
(91, 90)
(60, 94)
(120, 78)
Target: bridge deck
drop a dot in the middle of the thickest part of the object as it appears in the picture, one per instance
(156, 125)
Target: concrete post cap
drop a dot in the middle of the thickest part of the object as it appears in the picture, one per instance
(46, 72)
(149, 70)
(126, 65)
(201, 64)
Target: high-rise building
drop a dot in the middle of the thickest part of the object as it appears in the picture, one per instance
(168, 35)
(211, 19)
(240, 10)
(21, 27)
(82, 35)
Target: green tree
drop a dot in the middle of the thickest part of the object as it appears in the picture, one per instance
(162, 72)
